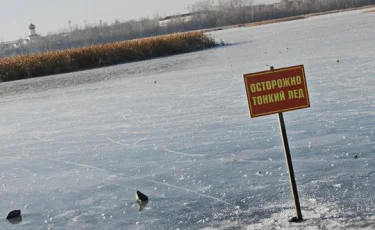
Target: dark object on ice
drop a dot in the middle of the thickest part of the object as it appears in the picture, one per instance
(355, 157)
(14, 214)
(337, 60)
(154, 81)
(142, 200)
(295, 220)
(141, 197)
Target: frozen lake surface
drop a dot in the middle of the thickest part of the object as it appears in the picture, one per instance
(75, 148)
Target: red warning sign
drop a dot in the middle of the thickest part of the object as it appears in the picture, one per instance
(277, 90)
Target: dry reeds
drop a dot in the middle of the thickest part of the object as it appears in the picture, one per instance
(36, 65)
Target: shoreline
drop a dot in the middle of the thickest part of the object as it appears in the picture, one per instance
(105, 55)
(102, 55)
(291, 18)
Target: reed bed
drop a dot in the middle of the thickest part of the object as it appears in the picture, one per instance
(95, 56)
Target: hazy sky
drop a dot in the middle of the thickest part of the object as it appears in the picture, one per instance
(52, 15)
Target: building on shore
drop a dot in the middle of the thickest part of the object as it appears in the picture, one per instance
(175, 18)
(22, 41)
(180, 18)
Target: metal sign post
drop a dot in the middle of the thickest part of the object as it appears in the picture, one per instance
(289, 164)
(278, 91)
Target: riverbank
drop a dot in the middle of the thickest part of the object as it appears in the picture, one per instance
(95, 56)
(292, 18)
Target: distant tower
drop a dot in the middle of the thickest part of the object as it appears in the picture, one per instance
(33, 35)
(32, 30)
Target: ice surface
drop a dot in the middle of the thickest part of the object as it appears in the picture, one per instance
(75, 148)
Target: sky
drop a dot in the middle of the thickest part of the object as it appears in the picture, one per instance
(54, 15)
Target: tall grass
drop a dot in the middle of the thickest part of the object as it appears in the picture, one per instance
(36, 65)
